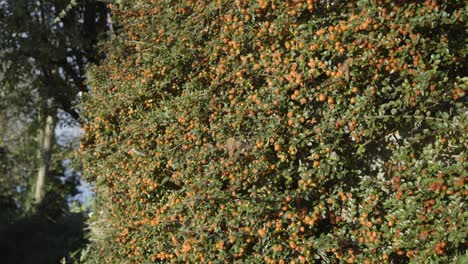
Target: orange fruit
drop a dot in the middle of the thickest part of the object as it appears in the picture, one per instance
(322, 97)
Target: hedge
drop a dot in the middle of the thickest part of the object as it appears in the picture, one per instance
(280, 132)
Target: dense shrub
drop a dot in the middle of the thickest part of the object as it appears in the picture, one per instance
(280, 131)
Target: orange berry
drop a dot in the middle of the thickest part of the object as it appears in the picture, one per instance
(278, 147)
(262, 232)
(322, 98)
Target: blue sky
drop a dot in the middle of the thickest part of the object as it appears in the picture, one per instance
(68, 134)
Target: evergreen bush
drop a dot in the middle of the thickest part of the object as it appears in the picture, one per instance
(281, 132)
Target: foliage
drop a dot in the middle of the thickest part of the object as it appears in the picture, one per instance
(42, 67)
(281, 132)
(17, 159)
(43, 61)
(42, 70)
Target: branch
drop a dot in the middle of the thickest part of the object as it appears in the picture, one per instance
(417, 117)
(67, 107)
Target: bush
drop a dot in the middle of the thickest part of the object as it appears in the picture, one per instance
(281, 131)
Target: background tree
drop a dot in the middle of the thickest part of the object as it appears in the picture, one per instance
(43, 65)
(42, 71)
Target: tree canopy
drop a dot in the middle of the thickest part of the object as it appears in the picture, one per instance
(43, 62)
